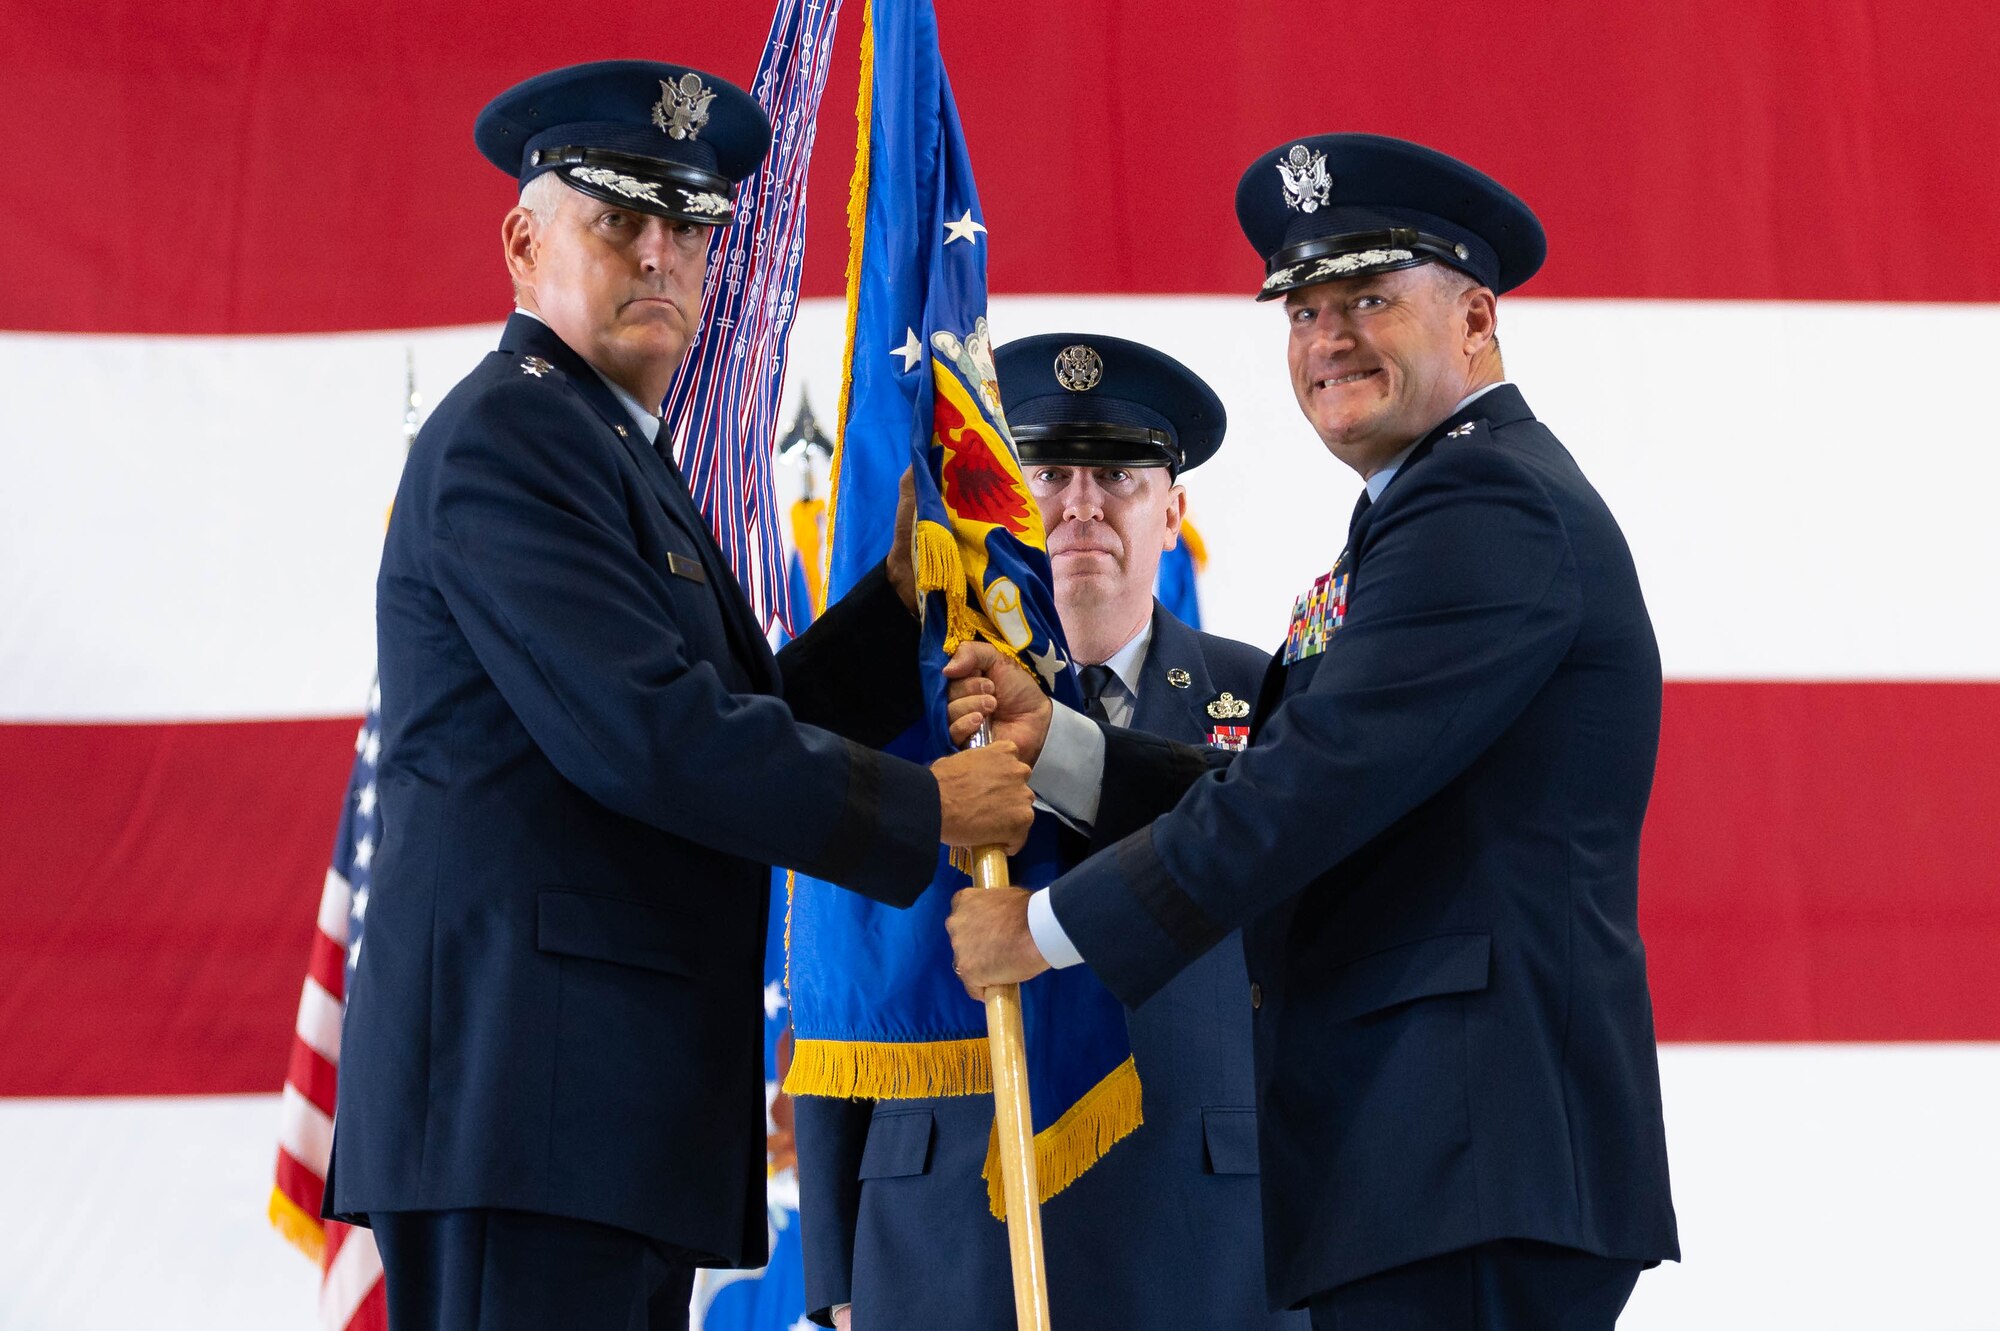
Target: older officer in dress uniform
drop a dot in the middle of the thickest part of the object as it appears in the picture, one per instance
(1432, 842)
(1164, 1230)
(551, 1093)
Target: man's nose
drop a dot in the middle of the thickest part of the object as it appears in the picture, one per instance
(1082, 500)
(656, 244)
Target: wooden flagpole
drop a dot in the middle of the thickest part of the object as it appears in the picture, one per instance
(1006, 1042)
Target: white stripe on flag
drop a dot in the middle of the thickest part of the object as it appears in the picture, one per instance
(335, 900)
(352, 1273)
(304, 1132)
(319, 1020)
(1756, 470)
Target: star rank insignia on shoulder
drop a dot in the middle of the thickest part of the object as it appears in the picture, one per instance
(535, 366)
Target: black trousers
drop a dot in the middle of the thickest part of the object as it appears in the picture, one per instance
(483, 1270)
(1511, 1285)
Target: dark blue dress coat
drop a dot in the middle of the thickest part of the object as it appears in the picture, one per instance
(1163, 1231)
(586, 768)
(1432, 849)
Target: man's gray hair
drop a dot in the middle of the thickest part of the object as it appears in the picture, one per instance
(543, 196)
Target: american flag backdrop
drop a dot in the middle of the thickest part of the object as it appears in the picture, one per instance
(1767, 330)
(351, 1287)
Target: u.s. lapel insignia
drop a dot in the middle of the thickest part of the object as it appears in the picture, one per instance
(1307, 183)
(1462, 430)
(1179, 678)
(535, 366)
(683, 107)
(1229, 707)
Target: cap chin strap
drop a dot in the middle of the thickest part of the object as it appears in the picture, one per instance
(1083, 444)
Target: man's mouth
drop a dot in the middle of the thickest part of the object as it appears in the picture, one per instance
(1342, 380)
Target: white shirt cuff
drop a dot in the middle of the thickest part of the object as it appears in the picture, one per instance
(1070, 770)
(1050, 940)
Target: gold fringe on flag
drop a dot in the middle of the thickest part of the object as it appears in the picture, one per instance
(857, 226)
(1108, 1114)
(879, 1070)
(305, 1232)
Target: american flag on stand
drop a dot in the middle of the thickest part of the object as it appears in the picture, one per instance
(723, 406)
(350, 1295)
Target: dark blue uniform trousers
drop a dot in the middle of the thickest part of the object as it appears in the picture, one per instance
(1510, 1285)
(491, 1270)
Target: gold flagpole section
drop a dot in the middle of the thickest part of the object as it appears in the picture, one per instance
(1014, 1122)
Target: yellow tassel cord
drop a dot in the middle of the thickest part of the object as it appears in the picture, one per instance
(1197, 548)
(809, 539)
(1073, 1143)
(302, 1231)
(857, 226)
(866, 1070)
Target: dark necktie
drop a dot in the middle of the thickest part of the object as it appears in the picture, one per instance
(1360, 507)
(1095, 679)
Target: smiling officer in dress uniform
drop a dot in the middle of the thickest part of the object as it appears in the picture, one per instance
(1432, 843)
(1164, 1230)
(551, 1089)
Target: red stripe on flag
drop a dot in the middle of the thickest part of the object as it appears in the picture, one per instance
(1747, 149)
(315, 1078)
(328, 965)
(305, 1188)
(164, 881)
(1821, 863)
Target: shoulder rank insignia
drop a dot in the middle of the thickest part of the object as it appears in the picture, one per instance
(1462, 430)
(683, 107)
(1305, 177)
(1179, 678)
(535, 365)
(1229, 707)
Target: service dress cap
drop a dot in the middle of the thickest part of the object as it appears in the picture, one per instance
(1342, 205)
(658, 138)
(1084, 400)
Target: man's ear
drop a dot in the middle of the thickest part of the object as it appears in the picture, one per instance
(1176, 510)
(1482, 319)
(517, 241)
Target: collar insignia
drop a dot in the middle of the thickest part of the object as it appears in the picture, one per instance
(535, 366)
(1229, 707)
(1079, 368)
(1179, 678)
(1462, 430)
(1307, 183)
(682, 110)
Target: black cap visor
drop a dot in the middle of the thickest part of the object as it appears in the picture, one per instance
(1357, 254)
(1093, 444)
(644, 184)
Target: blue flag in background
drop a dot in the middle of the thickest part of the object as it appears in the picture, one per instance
(876, 1009)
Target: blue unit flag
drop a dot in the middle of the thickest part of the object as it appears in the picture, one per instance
(876, 1009)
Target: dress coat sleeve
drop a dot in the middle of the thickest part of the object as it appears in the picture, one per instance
(1467, 598)
(605, 658)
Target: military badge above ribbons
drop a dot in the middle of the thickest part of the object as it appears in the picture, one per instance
(876, 1009)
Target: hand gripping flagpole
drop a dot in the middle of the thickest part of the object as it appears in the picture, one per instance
(1013, 1120)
